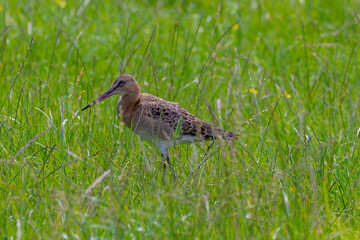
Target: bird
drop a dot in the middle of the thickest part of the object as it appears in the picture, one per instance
(157, 120)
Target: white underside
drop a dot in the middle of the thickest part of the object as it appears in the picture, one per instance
(163, 144)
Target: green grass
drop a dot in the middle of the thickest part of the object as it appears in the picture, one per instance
(285, 77)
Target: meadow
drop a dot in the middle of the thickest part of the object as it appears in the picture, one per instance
(284, 75)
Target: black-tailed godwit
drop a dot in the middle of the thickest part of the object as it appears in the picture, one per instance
(157, 120)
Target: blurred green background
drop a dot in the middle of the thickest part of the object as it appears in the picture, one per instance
(282, 74)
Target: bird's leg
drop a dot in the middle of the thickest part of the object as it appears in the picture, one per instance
(171, 167)
(164, 173)
(166, 155)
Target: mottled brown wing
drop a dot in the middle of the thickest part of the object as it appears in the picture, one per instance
(165, 117)
(169, 113)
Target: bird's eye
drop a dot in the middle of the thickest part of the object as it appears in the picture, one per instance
(121, 83)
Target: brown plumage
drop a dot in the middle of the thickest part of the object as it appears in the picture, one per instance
(157, 120)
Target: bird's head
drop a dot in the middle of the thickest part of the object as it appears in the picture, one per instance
(124, 84)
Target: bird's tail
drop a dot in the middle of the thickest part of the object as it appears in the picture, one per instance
(209, 131)
(227, 135)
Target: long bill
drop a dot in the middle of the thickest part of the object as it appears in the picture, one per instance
(105, 95)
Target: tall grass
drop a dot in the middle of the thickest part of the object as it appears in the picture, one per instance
(282, 74)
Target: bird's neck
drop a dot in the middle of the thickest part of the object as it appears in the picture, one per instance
(126, 105)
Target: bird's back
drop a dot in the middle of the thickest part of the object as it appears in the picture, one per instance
(155, 118)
